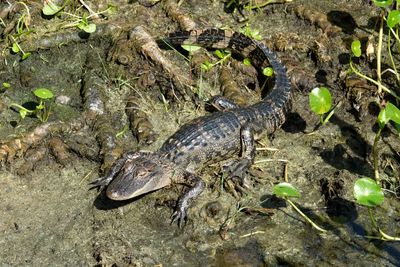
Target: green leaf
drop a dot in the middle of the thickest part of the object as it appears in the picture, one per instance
(43, 93)
(368, 193)
(286, 190)
(320, 100)
(247, 61)
(15, 47)
(22, 113)
(206, 65)
(393, 18)
(25, 55)
(356, 48)
(6, 85)
(383, 3)
(191, 47)
(219, 54)
(397, 127)
(268, 71)
(40, 106)
(390, 112)
(50, 9)
(89, 28)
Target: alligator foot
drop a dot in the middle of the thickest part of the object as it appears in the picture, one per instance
(237, 172)
(180, 213)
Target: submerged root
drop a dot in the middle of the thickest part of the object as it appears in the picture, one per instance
(316, 18)
(139, 122)
(230, 88)
(145, 43)
(18, 146)
(173, 11)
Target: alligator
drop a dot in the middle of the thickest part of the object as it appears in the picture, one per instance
(221, 135)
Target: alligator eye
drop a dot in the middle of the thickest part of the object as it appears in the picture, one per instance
(141, 173)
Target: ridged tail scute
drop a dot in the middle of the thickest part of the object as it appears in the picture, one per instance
(280, 96)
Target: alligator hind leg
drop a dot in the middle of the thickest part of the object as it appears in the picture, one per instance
(197, 186)
(238, 168)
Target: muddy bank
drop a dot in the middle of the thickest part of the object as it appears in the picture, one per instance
(50, 218)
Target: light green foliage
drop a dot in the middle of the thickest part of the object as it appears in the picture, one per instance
(223, 57)
(247, 61)
(43, 93)
(190, 47)
(383, 3)
(43, 109)
(367, 192)
(356, 48)
(252, 33)
(393, 18)
(286, 190)
(389, 113)
(6, 85)
(320, 100)
(51, 8)
(268, 71)
(85, 25)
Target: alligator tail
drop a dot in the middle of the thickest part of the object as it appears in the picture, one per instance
(279, 98)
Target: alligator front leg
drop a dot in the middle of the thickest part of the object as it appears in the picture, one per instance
(197, 186)
(239, 167)
(106, 180)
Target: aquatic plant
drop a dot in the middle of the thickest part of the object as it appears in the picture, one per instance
(43, 109)
(286, 190)
(320, 100)
(368, 193)
(223, 56)
(21, 28)
(50, 8)
(82, 22)
(389, 113)
(389, 20)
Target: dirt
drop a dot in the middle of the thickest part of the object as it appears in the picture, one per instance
(50, 218)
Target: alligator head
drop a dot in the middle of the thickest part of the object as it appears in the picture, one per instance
(141, 173)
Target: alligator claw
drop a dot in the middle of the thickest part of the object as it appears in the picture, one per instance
(100, 182)
(237, 171)
(179, 216)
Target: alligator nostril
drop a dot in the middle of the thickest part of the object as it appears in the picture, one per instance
(112, 194)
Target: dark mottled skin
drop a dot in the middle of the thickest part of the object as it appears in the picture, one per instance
(209, 139)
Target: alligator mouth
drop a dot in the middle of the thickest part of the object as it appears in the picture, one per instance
(120, 194)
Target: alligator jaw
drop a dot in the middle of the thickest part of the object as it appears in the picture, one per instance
(143, 174)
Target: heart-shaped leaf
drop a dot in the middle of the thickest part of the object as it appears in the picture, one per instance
(368, 193)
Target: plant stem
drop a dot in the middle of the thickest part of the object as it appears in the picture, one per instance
(305, 216)
(384, 236)
(371, 216)
(21, 107)
(375, 155)
(379, 55)
(387, 237)
(391, 57)
(384, 88)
